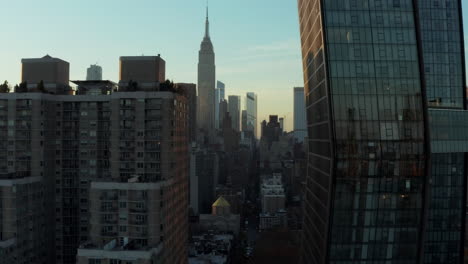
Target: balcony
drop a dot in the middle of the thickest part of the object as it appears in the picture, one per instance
(139, 210)
(108, 197)
(109, 222)
(109, 234)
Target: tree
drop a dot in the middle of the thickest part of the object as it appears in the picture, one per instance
(132, 86)
(167, 86)
(21, 88)
(5, 87)
(41, 87)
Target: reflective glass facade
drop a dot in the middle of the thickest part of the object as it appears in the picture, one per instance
(444, 75)
(442, 50)
(251, 109)
(379, 131)
(379, 188)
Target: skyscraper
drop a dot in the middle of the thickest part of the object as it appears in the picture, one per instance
(251, 108)
(244, 125)
(219, 97)
(384, 87)
(206, 83)
(68, 179)
(222, 90)
(190, 90)
(234, 107)
(300, 124)
(94, 73)
(223, 110)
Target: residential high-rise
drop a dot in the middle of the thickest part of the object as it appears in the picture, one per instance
(143, 73)
(190, 90)
(206, 83)
(207, 170)
(271, 131)
(300, 123)
(385, 100)
(234, 108)
(94, 73)
(54, 74)
(64, 166)
(281, 121)
(251, 108)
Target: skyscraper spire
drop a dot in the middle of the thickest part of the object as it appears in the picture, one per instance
(207, 23)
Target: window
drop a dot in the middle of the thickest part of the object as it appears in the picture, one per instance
(399, 36)
(382, 53)
(381, 36)
(94, 261)
(389, 132)
(380, 20)
(398, 20)
(357, 52)
(401, 53)
(356, 36)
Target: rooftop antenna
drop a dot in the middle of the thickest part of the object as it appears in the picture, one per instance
(207, 23)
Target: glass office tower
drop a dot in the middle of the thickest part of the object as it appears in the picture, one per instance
(382, 187)
(442, 55)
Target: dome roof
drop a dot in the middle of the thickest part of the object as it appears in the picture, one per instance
(221, 202)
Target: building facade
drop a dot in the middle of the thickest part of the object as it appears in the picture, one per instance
(300, 123)
(220, 91)
(251, 108)
(58, 145)
(385, 182)
(142, 73)
(223, 110)
(234, 109)
(206, 83)
(190, 90)
(94, 73)
(53, 73)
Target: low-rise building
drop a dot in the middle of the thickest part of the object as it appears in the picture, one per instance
(270, 221)
(272, 194)
(272, 198)
(210, 249)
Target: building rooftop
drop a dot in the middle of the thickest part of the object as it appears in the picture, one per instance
(210, 248)
(141, 58)
(221, 202)
(46, 58)
(118, 252)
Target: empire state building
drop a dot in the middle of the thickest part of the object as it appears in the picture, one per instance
(206, 83)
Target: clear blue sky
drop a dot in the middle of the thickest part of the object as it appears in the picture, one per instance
(256, 42)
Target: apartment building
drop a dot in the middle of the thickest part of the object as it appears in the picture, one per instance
(60, 145)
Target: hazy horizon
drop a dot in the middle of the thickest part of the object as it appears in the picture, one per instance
(257, 43)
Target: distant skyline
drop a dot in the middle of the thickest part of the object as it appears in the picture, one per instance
(257, 43)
